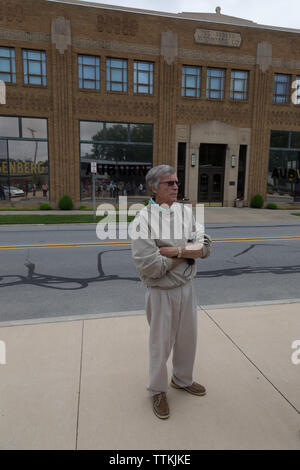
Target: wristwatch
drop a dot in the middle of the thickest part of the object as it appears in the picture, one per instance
(179, 252)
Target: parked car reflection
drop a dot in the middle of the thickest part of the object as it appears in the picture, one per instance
(14, 192)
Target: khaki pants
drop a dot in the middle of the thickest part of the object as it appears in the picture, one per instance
(172, 316)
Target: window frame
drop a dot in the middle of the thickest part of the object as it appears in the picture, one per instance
(196, 76)
(12, 65)
(276, 94)
(222, 81)
(150, 74)
(27, 75)
(97, 72)
(124, 73)
(245, 85)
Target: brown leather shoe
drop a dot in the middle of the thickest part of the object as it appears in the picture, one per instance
(160, 405)
(194, 389)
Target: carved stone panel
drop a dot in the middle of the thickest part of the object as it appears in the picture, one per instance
(169, 46)
(61, 34)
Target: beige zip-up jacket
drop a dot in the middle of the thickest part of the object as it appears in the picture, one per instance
(153, 222)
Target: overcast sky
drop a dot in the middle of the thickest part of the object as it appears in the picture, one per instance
(285, 13)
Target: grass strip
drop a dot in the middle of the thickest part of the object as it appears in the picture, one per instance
(54, 219)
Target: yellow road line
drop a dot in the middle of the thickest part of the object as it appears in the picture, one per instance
(126, 243)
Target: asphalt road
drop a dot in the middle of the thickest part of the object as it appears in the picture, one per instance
(39, 279)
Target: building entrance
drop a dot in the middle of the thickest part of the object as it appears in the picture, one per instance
(211, 172)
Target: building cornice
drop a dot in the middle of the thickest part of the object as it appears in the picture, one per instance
(181, 16)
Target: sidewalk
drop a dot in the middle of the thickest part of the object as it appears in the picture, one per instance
(212, 214)
(81, 384)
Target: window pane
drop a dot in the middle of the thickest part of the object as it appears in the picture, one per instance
(91, 130)
(143, 78)
(87, 60)
(9, 127)
(190, 92)
(36, 128)
(5, 77)
(116, 75)
(89, 72)
(116, 87)
(34, 68)
(141, 133)
(279, 139)
(190, 82)
(117, 132)
(295, 140)
(35, 80)
(5, 65)
(36, 55)
(143, 89)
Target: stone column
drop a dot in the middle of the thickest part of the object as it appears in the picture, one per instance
(167, 99)
(64, 166)
(260, 133)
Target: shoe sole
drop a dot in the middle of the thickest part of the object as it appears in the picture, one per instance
(201, 394)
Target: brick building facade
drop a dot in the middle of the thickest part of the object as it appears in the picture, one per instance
(215, 96)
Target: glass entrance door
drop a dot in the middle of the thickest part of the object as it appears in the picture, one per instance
(211, 172)
(211, 183)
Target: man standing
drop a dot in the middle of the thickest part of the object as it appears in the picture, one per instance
(164, 254)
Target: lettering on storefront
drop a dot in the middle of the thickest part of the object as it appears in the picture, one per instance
(112, 170)
(217, 38)
(23, 168)
(121, 25)
(286, 173)
(11, 13)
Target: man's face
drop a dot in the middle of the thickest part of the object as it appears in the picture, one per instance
(166, 193)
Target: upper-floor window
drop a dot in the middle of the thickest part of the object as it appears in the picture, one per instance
(215, 83)
(34, 67)
(239, 85)
(7, 65)
(143, 77)
(116, 74)
(282, 86)
(296, 90)
(190, 81)
(89, 72)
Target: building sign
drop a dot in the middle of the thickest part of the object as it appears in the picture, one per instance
(217, 38)
(286, 173)
(23, 168)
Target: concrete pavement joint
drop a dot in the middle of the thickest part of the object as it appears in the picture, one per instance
(248, 358)
(79, 386)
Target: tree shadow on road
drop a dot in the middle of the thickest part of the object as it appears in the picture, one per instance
(59, 282)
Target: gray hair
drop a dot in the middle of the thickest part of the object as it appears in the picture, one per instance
(156, 173)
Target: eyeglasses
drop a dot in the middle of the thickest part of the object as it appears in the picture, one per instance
(170, 183)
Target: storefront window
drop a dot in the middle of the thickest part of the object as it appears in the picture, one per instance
(24, 167)
(284, 167)
(123, 153)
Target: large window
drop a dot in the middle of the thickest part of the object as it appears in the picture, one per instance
(24, 168)
(284, 167)
(116, 74)
(215, 83)
(34, 67)
(143, 77)
(7, 65)
(89, 72)
(123, 152)
(239, 85)
(282, 87)
(191, 81)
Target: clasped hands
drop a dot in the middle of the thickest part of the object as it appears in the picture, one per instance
(191, 250)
